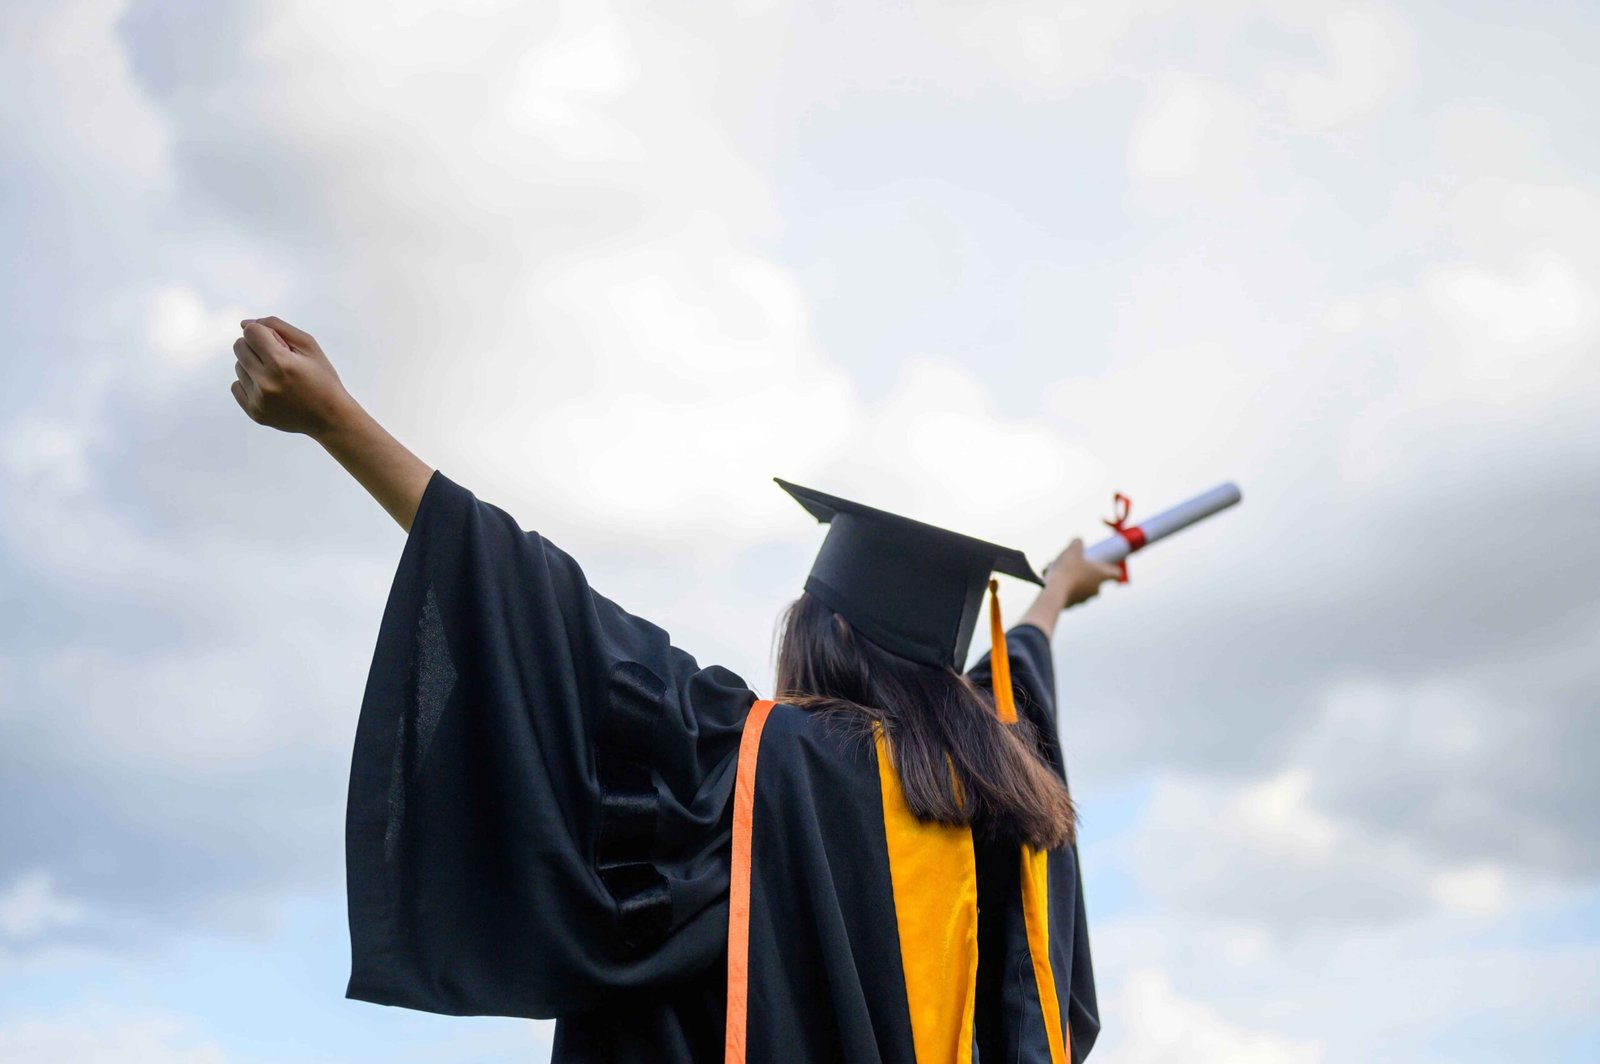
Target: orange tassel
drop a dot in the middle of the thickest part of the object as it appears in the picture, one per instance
(1005, 705)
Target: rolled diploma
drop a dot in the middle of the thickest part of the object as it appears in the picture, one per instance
(1115, 547)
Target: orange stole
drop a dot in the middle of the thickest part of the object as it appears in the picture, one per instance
(744, 805)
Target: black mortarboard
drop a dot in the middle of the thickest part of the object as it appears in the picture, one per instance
(912, 588)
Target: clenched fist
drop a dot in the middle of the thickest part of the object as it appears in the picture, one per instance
(285, 381)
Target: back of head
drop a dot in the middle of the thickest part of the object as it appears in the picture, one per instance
(957, 763)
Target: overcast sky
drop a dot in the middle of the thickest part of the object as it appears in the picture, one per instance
(614, 266)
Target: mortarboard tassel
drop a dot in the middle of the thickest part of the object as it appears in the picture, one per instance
(1005, 704)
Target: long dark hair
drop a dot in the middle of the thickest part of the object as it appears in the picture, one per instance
(957, 763)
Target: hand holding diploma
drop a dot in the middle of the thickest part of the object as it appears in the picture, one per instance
(1127, 538)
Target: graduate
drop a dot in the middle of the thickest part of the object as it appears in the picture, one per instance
(554, 812)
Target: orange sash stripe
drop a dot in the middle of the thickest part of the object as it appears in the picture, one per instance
(1036, 917)
(744, 805)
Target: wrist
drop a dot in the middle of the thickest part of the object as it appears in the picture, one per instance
(345, 419)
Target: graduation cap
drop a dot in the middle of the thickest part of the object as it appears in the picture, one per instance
(911, 588)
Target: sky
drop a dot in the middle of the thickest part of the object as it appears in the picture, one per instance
(613, 266)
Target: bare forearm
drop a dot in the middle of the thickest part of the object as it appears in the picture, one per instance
(392, 475)
(1047, 606)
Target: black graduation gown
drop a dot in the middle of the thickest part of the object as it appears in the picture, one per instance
(541, 824)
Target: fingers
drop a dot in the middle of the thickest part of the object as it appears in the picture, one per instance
(246, 382)
(245, 391)
(265, 354)
(295, 337)
(1107, 572)
(247, 356)
(265, 341)
(242, 399)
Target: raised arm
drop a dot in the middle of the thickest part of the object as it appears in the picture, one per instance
(287, 383)
(1068, 580)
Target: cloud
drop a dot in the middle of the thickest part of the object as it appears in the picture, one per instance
(1266, 857)
(46, 449)
(938, 445)
(1159, 1025)
(184, 332)
(1483, 890)
(73, 106)
(1368, 52)
(93, 1034)
(1519, 333)
(1393, 993)
(1262, 857)
(698, 356)
(30, 907)
(1042, 44)
(1458, 775)
(1189, 131)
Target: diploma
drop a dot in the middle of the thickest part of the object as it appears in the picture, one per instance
(1127, 538)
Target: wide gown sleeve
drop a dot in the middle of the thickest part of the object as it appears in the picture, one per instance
(1034, 682)
(540, 793)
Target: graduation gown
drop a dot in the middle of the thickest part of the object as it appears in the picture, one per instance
(550, 807)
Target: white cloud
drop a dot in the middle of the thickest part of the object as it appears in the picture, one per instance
(1396, 803)
(1261, 856)
(161, 710)
(1150, 1023)
(93, 1035)
(1482, 890)
(1368, 52)
(30, 907)
(186, 334)
(1040, 43)
(577, 124)
(1393, 993)
(695, 372)
(73, 104)
(939, 446)
(1507, 321)
(1189, 129)
(586, 61)
(46, 449)
(1461, 769)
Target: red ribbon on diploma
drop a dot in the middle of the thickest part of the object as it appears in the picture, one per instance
(1121, 504)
